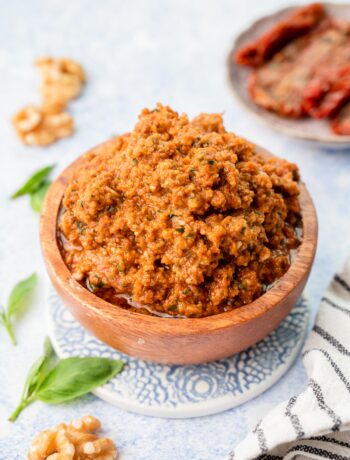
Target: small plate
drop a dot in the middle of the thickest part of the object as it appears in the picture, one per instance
(317, 131)
(184, 391)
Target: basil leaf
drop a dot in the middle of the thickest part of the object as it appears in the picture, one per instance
(73, 377)
(6, 322)
(34, 182)
(39, 370)
(35, 377)
(37, 197)
(19, 294)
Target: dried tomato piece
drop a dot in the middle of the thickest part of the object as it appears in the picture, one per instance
(341, 123)
(299, 23)
(327, 93)
(279, 84)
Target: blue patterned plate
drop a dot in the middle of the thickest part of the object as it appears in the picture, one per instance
(184, 391)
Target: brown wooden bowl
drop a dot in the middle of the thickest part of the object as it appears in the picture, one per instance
(318, 132)
(170, 340)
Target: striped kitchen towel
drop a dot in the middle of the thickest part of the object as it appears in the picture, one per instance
(316, 423)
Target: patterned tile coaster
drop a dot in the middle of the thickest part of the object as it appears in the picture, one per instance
(184, 391)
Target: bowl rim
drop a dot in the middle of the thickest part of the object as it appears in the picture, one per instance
(268, 118)
(166, 326)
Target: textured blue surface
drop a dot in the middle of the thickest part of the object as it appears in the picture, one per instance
(174, 391)
(137, 53)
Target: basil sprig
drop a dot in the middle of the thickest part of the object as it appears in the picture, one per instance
(55, 382)
(35, 376)
(36, 187)
(16, 302)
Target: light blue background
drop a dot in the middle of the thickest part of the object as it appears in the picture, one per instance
(136, 53)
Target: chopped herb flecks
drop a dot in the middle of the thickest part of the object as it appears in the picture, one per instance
(81, 226)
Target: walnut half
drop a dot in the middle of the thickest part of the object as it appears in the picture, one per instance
(74, 441)
(62, 79)
(42, 125)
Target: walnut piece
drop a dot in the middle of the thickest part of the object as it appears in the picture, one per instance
(62, 79)
(74, 441)
(42, 125)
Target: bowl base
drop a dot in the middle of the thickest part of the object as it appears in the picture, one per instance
(184, 391)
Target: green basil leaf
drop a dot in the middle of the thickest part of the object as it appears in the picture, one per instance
(19, 294)
(39, 370)
(6, 322)
(34, 182)
(48, 348)
(37, 197)
(73, 377)
(35, 377)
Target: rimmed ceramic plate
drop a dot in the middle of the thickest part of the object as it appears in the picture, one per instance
(316, 131)
(184, 391)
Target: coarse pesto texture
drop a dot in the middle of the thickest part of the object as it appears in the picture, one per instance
(181, 217)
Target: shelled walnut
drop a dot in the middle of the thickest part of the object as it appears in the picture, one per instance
(62, 79)
(42, 125)
(74, 441)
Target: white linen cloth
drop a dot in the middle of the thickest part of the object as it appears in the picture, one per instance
(316, 423)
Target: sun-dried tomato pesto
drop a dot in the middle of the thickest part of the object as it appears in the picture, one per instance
(180, 217)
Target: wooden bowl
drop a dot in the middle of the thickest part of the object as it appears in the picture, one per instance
(317, 132)
(171, 340)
